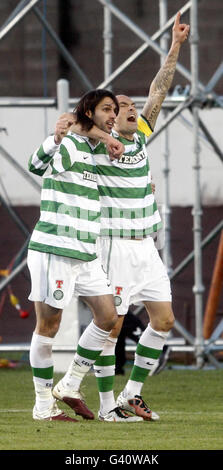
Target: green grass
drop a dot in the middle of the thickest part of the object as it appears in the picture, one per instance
(190, 404)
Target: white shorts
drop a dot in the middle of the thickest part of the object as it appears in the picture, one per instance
(135, 270)
(56, 279)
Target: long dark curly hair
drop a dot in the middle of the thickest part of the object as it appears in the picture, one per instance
(88, 102)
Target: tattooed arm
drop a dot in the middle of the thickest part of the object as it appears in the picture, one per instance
(162, 81)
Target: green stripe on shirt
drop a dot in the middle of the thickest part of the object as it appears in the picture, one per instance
(75, 212)
(133, 193)
(66, 231)
(70, 188)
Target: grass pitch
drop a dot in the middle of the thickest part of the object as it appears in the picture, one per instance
(189, 403)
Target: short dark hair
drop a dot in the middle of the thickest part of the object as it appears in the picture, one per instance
(88, 102)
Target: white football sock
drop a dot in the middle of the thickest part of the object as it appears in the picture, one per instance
(90, 346)
(41, 362)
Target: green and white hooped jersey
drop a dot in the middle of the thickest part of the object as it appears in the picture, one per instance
(128, 206)
(69, 220)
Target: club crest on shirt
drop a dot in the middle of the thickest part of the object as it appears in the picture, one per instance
(58, 294)
(117, 300)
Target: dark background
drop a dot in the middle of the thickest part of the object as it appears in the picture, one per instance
(31, 63)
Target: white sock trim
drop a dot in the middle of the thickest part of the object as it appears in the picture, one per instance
(132, 388)
(107, 402)
(42, 339)
(41, 351)
(152, 338)
(93, 337)
(109, 347)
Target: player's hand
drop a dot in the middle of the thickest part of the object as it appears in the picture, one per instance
(153, 187)
(114, 147)
(63, 125)
(180, 31)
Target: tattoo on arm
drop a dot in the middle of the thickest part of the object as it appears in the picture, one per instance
(153, 114)
(160, 86)
(164, 77)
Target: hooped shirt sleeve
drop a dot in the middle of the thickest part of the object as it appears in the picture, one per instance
(41, 158)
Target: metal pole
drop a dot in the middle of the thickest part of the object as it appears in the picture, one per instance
(215, 290)
(14, 216)
(17, 10)
(204, 243)
(211, 140)
(146, 38)
(215, 78)
(189, 338)
(14, 19)
(198, 288)
(166, 254)
(44, 67)
(107, 43)
(13, 274)
(67, 56)
(205, 135)
(20, 169)
(173, 115)
(62, 96)
(142, 48)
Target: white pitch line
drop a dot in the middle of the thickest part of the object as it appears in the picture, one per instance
(190, 412)
(15, 411)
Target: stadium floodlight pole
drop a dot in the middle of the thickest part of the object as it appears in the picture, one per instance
(198, 287)
(66, 55)
(150, 41)
(107, 35)
(21, 10)
(166, 253)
